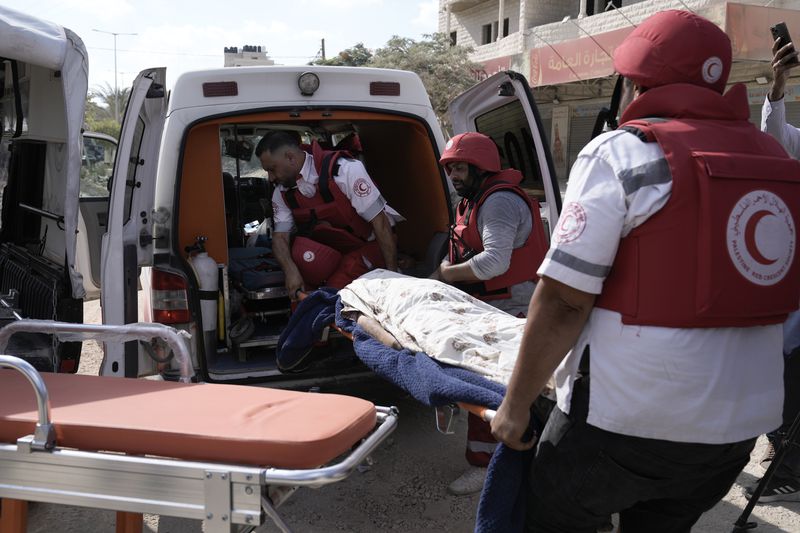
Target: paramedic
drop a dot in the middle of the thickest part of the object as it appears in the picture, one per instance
(785, 482)
(348, 228)
(492, 255)
(669, 361)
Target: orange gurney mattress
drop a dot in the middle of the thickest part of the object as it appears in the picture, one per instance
(201, 422)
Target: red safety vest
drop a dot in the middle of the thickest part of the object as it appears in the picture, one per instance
(721, 252)
(328, 216)
(465, 240)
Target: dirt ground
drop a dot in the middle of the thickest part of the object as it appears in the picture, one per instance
(404, 489)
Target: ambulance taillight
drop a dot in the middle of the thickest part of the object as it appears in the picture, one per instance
(170, 300)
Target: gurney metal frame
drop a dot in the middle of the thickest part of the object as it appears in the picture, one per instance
(104, 332)
(227, 497)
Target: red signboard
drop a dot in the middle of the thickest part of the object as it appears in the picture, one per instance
(748, 27)
(493, 66)
(591, 57)
(575, 60)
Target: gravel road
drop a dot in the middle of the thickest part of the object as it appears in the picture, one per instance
(403, 490)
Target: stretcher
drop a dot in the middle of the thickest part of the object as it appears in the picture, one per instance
(225, 454)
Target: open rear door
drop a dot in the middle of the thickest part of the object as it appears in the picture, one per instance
(127, 245)
(502, 107)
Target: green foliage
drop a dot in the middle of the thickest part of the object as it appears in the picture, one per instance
(99, 114)
(355, 56)
(445, 70)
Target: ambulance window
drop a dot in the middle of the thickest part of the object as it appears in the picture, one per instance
(509, 128)
(8, 110)
(97, 164)
(133, 166)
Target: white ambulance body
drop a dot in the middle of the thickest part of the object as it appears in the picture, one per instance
(186, 169)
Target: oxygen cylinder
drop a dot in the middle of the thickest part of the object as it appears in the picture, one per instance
(206, 270)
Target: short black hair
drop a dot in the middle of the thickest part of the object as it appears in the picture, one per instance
(276, 139)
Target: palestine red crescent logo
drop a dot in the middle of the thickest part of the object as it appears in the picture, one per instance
(571, 223)
(761, 237)
(712, 70)
(308, 256)
(361, 187)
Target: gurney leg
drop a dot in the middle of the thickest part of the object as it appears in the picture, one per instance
(273, 514)
(14, 518)
(129, 522)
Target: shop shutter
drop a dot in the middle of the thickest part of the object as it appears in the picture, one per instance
(792, 114)
(580, 129)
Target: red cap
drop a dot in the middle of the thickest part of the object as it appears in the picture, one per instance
(475, 148)
(675, 47)
(316, 262)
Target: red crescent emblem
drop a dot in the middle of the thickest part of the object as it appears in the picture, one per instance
(750, 237)
(361, 187)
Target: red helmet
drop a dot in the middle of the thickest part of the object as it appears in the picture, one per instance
(316, 262)
(675, 47)
(474, 148)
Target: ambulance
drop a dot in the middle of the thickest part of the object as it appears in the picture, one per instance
(190, 206)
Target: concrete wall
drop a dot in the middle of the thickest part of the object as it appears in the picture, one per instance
(468, 23)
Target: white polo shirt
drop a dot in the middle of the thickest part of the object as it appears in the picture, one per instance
(352, 180)
(714, 386)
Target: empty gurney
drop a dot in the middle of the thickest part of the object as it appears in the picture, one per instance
(225, 454)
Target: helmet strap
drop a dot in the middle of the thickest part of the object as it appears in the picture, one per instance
(477, 178)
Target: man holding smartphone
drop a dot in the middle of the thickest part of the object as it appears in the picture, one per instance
(773, 114)
(785, 482)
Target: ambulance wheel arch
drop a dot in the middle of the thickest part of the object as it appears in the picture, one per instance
(503, 108)
(127, 244)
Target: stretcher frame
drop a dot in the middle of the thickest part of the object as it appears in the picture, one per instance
(226, 497)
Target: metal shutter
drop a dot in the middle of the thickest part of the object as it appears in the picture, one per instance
(792, 114)
(580, 128)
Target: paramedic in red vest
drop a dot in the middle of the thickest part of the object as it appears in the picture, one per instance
(661, 299)
(347, 226)
(495, 247)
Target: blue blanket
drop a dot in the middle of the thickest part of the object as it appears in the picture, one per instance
(433, 384)
(305, 327)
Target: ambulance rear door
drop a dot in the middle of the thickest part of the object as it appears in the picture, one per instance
(128, 243)
(503, 108)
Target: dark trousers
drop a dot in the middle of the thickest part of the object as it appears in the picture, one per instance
(581, 475)
(790, 467)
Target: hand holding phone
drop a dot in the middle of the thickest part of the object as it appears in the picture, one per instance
(780, 33)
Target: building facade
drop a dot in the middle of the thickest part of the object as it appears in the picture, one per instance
(246, 56)
(565, 48)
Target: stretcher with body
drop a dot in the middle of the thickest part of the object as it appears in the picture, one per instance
(446, 414)
(225, 454)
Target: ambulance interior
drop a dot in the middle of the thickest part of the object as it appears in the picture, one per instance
(225, 196)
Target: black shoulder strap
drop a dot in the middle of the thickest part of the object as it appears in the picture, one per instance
(608, 115)
(639, 127)
(291, 199)
(325, 175)
(636, 131)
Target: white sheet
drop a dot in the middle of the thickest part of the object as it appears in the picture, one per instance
(440, 320)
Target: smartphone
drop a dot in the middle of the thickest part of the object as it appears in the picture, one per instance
(780, 31)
